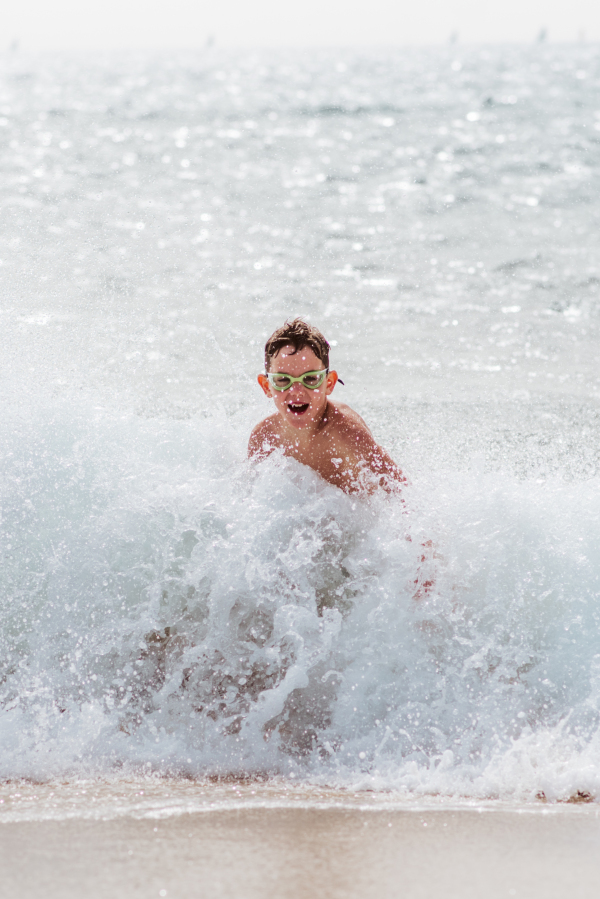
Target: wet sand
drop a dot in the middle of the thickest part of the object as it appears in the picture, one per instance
(302, 853)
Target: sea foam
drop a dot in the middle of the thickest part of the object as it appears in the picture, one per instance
(169, 607)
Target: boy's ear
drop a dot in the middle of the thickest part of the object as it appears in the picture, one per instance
(264, 383)
(332, 379)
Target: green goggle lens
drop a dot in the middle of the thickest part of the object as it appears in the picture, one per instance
(310, 379)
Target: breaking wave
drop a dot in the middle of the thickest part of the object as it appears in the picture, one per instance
(167, 607)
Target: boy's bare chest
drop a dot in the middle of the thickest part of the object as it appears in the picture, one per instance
(326, 454)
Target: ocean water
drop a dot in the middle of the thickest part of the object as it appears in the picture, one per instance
(169, 609)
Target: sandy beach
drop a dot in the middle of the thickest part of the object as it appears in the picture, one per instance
(341, 846)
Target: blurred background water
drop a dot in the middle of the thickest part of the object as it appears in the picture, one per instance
(435, 213)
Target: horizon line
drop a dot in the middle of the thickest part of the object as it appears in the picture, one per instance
(215, 47)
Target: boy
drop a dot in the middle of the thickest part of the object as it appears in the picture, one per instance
(327, 436)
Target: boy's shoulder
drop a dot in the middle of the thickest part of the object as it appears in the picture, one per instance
(344, 420)
(266, 431)
(267, 426)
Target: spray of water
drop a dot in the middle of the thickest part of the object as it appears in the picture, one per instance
(166, 606)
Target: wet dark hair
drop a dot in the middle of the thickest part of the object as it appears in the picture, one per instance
(298, 334)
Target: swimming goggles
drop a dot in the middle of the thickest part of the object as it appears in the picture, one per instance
(310, 379)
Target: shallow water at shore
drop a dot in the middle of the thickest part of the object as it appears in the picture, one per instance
(153, 798)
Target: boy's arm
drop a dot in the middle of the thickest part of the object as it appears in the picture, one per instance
(381, 464)
(259, 444)
(370, 458)
(255, 443)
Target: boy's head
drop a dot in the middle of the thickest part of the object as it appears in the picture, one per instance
(297, 334)
(295, 350)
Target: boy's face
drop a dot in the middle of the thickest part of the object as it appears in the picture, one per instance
(299, 406)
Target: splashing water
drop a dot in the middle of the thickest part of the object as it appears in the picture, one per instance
(167, 607)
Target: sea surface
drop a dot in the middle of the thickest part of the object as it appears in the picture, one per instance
(171, 611)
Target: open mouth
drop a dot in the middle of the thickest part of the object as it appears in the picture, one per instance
(298, 408)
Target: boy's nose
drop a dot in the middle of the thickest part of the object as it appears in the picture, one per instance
(297, 390)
